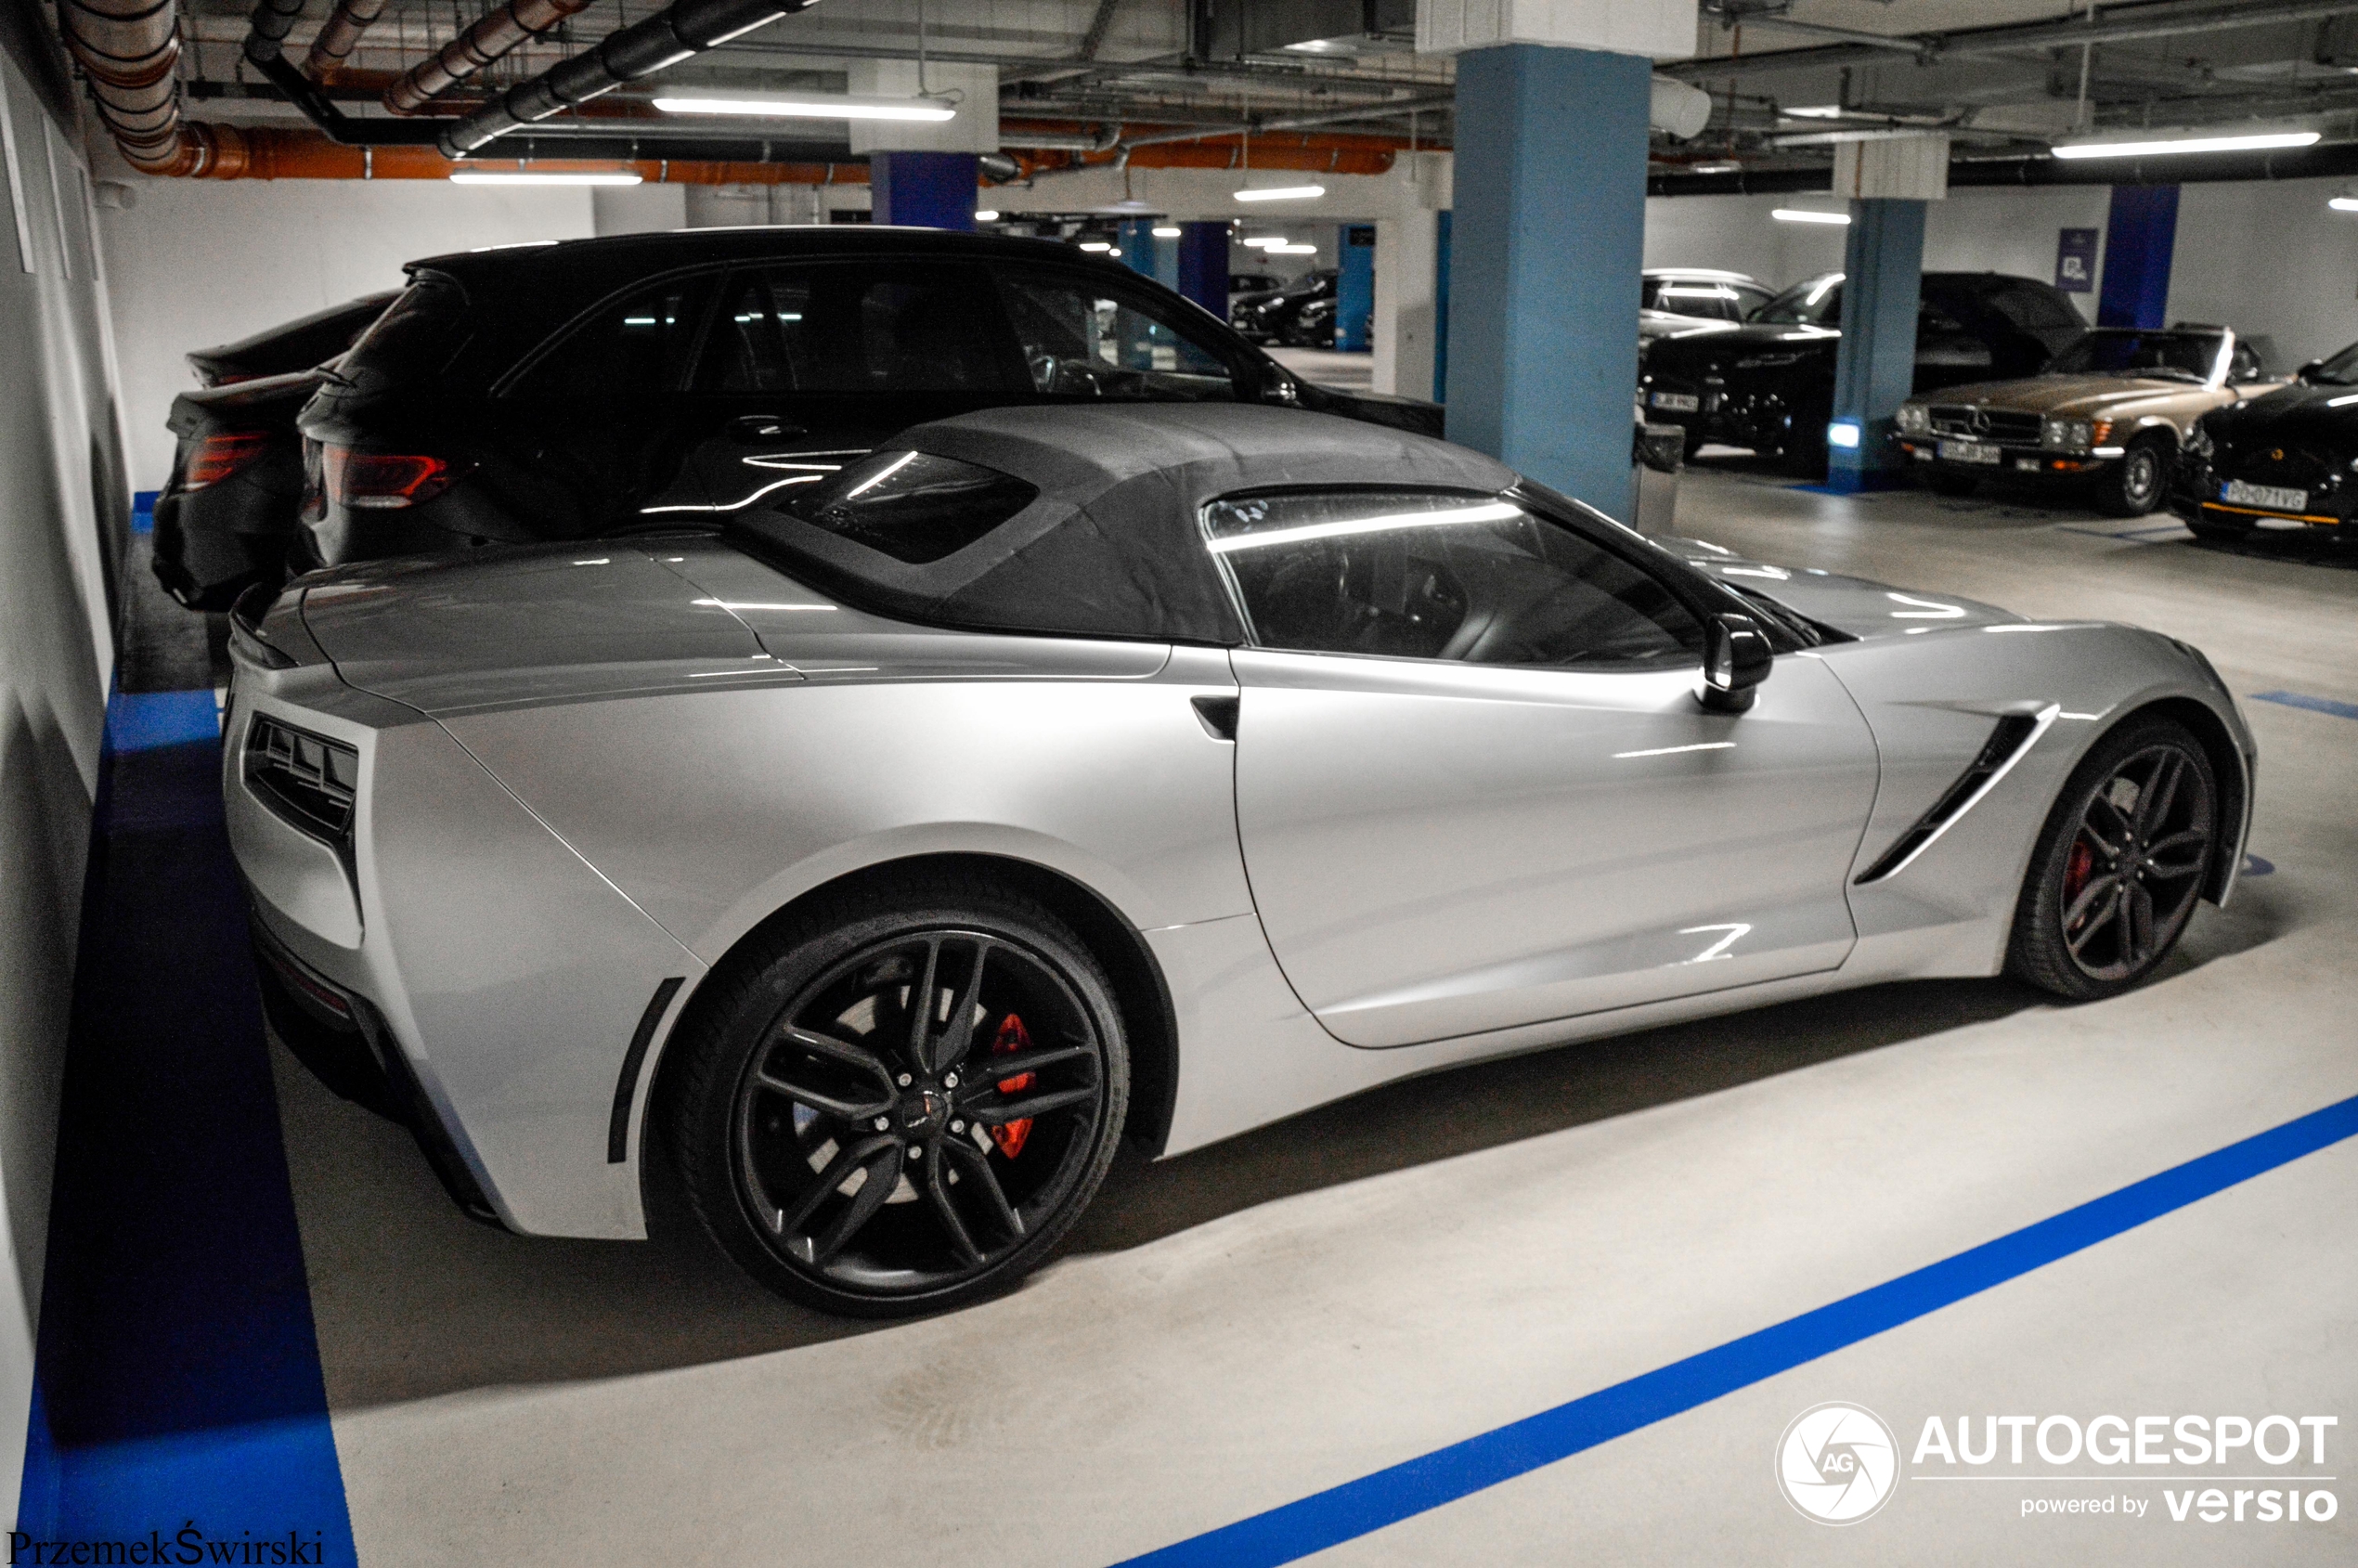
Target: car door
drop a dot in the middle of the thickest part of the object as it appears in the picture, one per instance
(1476, 788)
(596, 420)
(810, 364)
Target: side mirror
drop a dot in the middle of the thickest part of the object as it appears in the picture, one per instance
(2307, 370)
(1736, 658)
(1277, 384)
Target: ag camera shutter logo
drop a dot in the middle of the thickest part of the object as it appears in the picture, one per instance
(1837, 1463)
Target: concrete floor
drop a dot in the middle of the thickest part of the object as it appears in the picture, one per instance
(1249, 1324)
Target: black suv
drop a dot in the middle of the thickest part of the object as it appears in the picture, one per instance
(1769, 384)
(599, 386)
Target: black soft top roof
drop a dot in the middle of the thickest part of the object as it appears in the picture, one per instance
(1112, 546)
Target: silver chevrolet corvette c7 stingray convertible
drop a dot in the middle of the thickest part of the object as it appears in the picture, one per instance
(878, 859)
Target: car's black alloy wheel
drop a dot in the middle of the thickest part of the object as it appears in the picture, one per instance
(2120, 864)
(902, 1109)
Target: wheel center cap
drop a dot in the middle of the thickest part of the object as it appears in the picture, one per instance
(923, 1111)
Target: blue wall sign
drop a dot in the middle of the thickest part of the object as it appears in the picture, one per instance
(2076, 260)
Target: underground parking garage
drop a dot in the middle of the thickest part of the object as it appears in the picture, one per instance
(1117, 782)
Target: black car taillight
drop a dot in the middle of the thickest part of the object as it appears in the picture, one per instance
(217, 457)
(383, 480)
(308, 781)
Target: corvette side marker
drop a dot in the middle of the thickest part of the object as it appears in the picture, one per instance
(1358, 1508)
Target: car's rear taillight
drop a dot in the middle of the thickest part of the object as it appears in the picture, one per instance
(217, 457)
(383, 480)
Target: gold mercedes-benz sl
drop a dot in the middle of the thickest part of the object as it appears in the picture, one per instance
(2107, 416)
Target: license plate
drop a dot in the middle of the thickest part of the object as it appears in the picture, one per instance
(1969, 451)
(2276, 497)
(1677, 402)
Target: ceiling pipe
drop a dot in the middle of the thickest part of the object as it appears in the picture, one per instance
(1101, 140)
(337, 39)
(1294, 123)
(656, 43)
(498, 33)
(2176, 22)
(127, 50)
(2326, 161)
(292, 153)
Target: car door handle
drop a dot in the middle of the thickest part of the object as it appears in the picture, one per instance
(751, 428)
(1218, 716)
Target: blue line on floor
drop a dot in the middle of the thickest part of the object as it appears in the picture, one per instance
(2314, 704)
(178, 1383)
(143, 720)
(1357, 1508)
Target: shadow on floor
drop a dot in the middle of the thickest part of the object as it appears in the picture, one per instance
(413, 1302)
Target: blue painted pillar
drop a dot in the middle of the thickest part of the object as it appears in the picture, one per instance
(1441, 309)
(1551, 190)
(923, 190)
(1882, 268)
(1355, 288)
(1203, 265)
(2139, 233)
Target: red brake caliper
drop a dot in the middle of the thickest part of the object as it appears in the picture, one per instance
(2075, 870)
(1011, 1037)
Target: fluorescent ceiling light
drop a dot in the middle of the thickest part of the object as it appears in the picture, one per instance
(2344, 203)
(1291, 250)
(1803, 215)
(2186, 143)
(1097, 245)
(489, 177)
(1818, 111)
(1268, 242)
(987, 215)
(816, 106)
(1166, 231)
(1282, 193)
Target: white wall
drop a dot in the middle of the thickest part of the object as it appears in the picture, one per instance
(61, 467)
(195, 263)
(2268, 260)
(1979, 229)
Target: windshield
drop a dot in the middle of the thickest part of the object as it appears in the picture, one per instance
(2190, 356)
(412, 340)
(2340, 370)
(1813, 302)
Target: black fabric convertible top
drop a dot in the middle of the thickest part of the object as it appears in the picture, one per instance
(1112, 546)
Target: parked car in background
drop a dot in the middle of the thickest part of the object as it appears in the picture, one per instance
(1768, 383)
(233, 505)
(1313, 325)
(1267, 318)
(297, 345)
(2284, 459)
(1243, 283)
(1673, 300)
(2107, 417)
(606, 386)
(879, 862)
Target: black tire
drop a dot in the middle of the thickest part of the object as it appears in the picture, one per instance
(1804, 455)
(2136, 483)
(2144, 799)
(806, 1059)
(1952, 484)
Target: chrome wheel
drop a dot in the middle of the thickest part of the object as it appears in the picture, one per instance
(2134, 869)
(918, 1112)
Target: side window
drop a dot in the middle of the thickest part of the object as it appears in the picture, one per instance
(2243, 364)
(638, 348)
(1414, 575)
(857, 327)
(1082, 340)
(2035, 307)
(1706, 297)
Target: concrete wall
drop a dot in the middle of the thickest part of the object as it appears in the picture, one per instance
(201, 262)
(60, 471)
(2268, 259)
(1972, 230)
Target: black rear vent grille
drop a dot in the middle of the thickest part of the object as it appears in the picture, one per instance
(310, 781)
(1968, 423)
(2011, 734)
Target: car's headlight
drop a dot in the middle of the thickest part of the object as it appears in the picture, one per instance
(1914, 419)
(2065, 436)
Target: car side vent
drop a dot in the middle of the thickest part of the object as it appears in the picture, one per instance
(2006, 742)
(310, 781)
